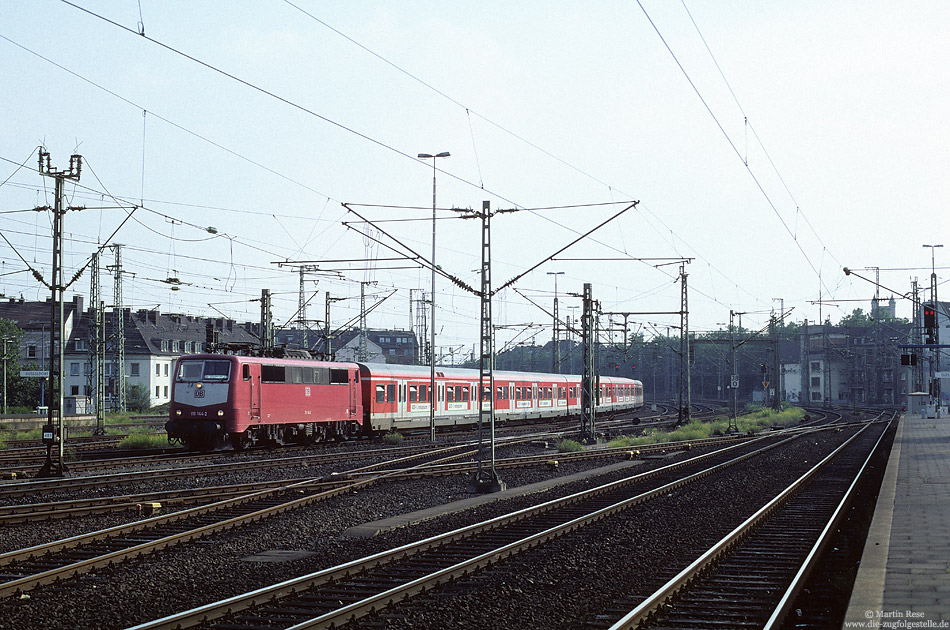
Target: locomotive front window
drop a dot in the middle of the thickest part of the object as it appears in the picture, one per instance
(193, 371)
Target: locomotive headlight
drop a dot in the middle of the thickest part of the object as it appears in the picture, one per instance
(178, 412)
(220, 413)
(198, 385)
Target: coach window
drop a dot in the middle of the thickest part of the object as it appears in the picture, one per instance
(380, 394)
(423, 393)
(413, 393)
(464, 392)
(500, 393)
(402, 393)
(246, 372)
(391, 392)
(450, 394)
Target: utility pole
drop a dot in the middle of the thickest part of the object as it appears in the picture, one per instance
(685, 384)
(935, 362)
(5, 340)
(302, 321)
(267, 324)
(779, 376)
(327, 336)
(734, 380)
(363, 352)
(118, 333)
(556, 347)
(54, 433)
(486, 476)
(589, 385)
(97, 345)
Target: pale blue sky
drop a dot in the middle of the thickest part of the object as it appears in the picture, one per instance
(540, 104)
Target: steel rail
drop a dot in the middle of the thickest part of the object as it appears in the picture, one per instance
(644, 611)
(237, 603)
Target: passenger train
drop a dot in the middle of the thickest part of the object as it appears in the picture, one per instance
(219, 399)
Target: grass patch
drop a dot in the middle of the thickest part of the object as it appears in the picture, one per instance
(393, 438)
(144, 440)
(569, 446)
(697, 430)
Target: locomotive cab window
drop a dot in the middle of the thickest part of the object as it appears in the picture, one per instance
(246, 372)
(197, 370)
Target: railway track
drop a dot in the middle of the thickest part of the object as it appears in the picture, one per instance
(25, 569)
(173, 499)
(337, 594)
(750, 578)
(282, 460)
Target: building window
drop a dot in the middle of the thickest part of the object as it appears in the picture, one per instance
(157, 390)
(133, 369)
(74, 369)
(166, 391)
(81, 345)
(815, 381)
(176, 346)
(158, 369)
(86, 368)
(31, 352)
(815, 366)
(164, 345)
(166, 369)
(75, 390)
(816, 395)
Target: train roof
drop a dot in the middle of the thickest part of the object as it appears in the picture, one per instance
(424, 371)
(272, 360)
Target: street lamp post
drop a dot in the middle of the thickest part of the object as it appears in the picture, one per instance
(556, 348)
(433, 393)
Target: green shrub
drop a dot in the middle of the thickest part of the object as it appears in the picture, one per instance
(569, 446)
(393, 438)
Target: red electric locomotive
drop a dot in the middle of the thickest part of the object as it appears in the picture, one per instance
(246, 400)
